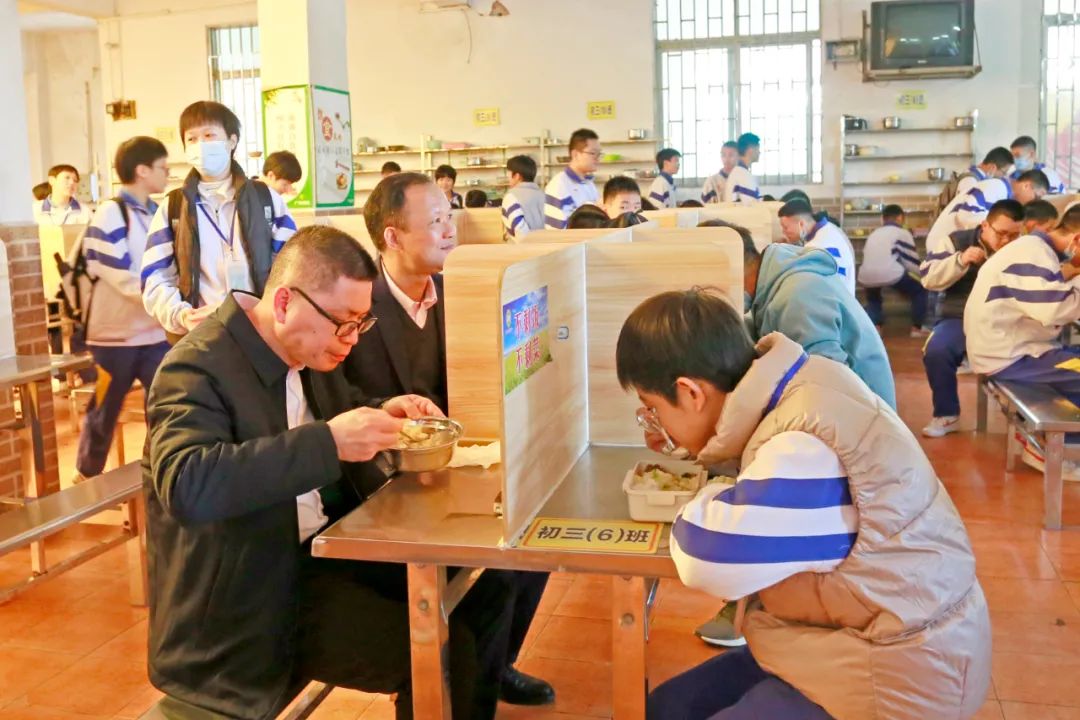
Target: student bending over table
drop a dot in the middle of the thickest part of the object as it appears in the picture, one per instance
(253, 447)
(867, 603)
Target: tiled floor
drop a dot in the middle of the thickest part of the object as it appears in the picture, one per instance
(73, 648)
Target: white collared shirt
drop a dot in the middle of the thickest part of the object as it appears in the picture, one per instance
(418, 311)
(45, 213)
(309, 507)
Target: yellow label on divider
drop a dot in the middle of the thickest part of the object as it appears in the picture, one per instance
(1073, 364)
(597, 535)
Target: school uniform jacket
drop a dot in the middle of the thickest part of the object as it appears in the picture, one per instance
(889, 252)
(970, 179)
(222, 473)
(1018, 305)
(1057, 186)
(713, 190)
(75, 214)
(564, 194)
(523, 210)
(741, 186)
(942, 267)
(662, 191)
(830, 238)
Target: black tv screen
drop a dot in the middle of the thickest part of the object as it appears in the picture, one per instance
(921, 34)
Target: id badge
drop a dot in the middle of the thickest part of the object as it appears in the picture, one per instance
(237, 274)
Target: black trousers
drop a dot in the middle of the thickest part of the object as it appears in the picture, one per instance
(354, 632)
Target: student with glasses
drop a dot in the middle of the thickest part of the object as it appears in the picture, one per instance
(573, 186)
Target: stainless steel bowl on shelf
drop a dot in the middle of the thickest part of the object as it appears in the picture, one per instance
(891, 123)
(851, 150)
(935, 174)
(964, 121)
(431, 457)
(636, 134)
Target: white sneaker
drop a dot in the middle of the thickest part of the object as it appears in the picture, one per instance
(941, 426)
(965, 368)
(1070, 471)
(918, 332)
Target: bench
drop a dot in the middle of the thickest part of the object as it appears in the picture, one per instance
(301, 707)
(1042, 416)
(38, 518)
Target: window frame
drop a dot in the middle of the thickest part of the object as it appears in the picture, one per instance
(1056, 20)
(734, 45)
(251, 128)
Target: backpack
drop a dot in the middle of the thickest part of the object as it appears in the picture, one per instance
(948, 193)
(76, 282)
(176, 197)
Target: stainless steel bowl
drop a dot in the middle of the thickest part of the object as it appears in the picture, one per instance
(891, 123)
(935, 173)
(636, 134)
(851, 150)
(964, 121)
(433, 457)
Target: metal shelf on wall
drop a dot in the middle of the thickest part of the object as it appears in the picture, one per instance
(878, 212)
(883, 131)
(855, 158)
(898, 182)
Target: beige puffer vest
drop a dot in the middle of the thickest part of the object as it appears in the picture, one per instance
(900, 629)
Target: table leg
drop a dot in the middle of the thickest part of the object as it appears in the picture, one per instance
(1012, 448)
(629, 680)
(1052, 482)
(981, 409)
(429, 637)
(34, 445)
(135, 519)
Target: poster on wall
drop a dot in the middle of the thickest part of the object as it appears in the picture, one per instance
(287, 126)
(333, 147)
(526, 341)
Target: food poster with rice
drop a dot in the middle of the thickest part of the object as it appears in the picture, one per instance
(287, 126)
(332, 122)
(526, 338)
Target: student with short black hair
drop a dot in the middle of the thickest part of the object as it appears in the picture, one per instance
(389, 168)
(446, 178)
(691, 204)
(476, 198)
(741, 186)
(523, 203)
(281, 171)
(801, 228)
(713, 190)
(60, 207)
(126, 342)
(622, 194)
(573, 186)
(662, 192)
(891, 260)
(995, 164)
(217, 233)
(587, 217)
(1024, 152)
(1040, 215)
(41, 191)
(833, 502)
(953, 274)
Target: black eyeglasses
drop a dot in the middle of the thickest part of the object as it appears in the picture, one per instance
(343, 328)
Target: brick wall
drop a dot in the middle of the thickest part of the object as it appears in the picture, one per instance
(31, 336)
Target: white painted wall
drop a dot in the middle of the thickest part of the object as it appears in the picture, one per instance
(412, 73)
(15, 182)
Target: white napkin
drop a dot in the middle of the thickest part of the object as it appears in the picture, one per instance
(483, 455)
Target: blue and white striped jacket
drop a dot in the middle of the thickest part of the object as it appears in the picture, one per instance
(741, 186)
(941, 267)
(564, 194)
(830, 238)
(114, 252)
(713, 190)
(662, 191)
(1057, 186)
(523, 210)
(1018, 305)
(888, 253)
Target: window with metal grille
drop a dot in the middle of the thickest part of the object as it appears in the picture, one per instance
(235, 82)
(1059, 142)
(732, 66)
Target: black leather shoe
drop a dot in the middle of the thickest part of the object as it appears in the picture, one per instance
(517, 688)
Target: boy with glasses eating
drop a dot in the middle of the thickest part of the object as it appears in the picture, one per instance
(573, 186)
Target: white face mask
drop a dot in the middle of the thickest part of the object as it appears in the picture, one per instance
(209, 157)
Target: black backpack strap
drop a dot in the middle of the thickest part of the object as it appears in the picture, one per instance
(265, 199)
(123, 210)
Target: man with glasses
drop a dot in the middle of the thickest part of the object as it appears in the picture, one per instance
(408, 219)
(951, 266)
(573, 186)
(126, 342)
(254, 445)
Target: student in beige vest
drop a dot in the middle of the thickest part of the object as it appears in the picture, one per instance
(864, 602)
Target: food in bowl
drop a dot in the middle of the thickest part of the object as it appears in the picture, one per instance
(414, 436)
(657, 477)
(426, 444)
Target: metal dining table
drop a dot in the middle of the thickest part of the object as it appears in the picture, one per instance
(433, 521)
(24, 372)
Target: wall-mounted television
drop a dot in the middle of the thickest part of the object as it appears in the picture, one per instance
(914, 34)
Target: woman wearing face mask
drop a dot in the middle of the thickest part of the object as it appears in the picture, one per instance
(217, 233)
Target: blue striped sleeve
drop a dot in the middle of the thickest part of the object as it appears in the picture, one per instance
(559, 202)
(709, 196)
(1033, 270)
(797, 493)
(507, 210)
(729, 548)
(117, 263)
(284, 221)
(153, 267)
(911, 259)
(1004, 292)
(748, 192)
(161, 236)
(112, 237)
(658, 197)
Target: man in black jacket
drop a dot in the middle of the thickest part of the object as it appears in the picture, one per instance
(409, 221)
(254, 445)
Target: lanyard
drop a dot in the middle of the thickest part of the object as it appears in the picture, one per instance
(232, 226)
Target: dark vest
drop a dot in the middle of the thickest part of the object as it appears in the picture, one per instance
(427, 357)
(956, 295)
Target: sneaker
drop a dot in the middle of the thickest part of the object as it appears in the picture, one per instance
(1070, 471)
(965, 368)
(79, 477)
(918, 332)
(720, 631)
(941, 426)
